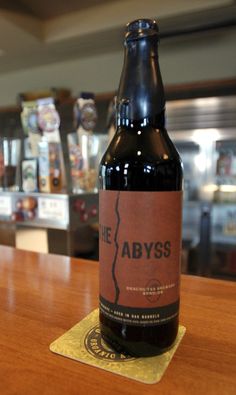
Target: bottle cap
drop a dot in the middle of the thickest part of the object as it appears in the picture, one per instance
(142, 24)
(140, 28)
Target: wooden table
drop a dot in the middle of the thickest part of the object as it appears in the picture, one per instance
(42, 296)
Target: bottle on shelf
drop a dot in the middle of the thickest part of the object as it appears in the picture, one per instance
(140, 203)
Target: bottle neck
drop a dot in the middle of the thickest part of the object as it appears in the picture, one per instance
(140, 97)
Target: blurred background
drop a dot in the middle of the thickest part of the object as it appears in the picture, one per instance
(60, 64)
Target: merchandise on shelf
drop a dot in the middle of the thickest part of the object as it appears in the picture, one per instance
(83, 146)
(50, 177)
(29, 120)
(43, 154)
(29, 169)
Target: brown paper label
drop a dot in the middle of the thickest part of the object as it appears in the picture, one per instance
(140, 245)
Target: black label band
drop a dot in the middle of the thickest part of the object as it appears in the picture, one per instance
(139, 316)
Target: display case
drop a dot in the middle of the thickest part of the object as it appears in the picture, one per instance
(204, 131)
(43, 203)
(66, 219)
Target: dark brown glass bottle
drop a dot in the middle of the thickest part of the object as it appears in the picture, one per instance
(140, 159)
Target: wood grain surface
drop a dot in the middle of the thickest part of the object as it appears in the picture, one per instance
(42, 296)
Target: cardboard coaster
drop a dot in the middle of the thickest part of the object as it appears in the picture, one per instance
(83, 343)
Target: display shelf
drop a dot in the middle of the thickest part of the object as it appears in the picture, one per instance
(55, 211)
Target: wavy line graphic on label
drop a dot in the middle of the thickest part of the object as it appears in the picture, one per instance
(117, 290)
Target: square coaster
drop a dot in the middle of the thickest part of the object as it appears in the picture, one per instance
(83, 343)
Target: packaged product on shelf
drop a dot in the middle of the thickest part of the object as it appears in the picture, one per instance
(29, 169)
(29, 120)
(48, 119)
(85, 117)
(50, 177)
(42, 146)
(76, 160)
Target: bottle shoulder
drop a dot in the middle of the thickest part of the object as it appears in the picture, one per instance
(141, 162)
(151, 146)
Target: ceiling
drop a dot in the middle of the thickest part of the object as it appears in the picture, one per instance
(34, 33)
(46, 9)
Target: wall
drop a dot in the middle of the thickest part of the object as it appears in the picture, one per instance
(196, 58)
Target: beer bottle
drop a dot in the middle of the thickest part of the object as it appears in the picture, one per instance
(140, 203)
